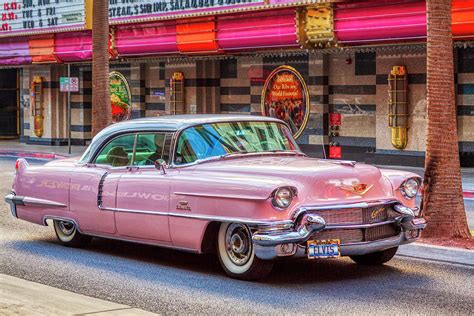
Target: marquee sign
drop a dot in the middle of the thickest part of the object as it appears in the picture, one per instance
(139, 9)
(286, 96)
(30, 17)
(40, 16)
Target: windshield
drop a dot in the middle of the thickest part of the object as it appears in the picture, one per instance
(218, 139)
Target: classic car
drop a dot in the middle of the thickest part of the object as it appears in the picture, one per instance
(236, 185)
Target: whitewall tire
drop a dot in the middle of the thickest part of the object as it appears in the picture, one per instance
(68, 235)
(237, 255)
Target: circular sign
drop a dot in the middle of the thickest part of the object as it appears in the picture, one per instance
(285, 96)
(120, 97)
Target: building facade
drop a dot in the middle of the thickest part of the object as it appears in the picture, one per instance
(349, 78)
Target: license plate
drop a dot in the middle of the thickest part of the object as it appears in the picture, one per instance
(324, 248)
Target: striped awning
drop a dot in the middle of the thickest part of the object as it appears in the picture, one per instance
(197, 36)
(261, 30)
(14, 51)
(380, 21)
(42, 49)
(147, 39)
(463, 19)
(73, 46)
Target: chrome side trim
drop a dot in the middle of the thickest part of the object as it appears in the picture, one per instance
(30, 201)
(222, 196)
(248, 221)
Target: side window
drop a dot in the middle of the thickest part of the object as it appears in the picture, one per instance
(118, 152)
(151, 147)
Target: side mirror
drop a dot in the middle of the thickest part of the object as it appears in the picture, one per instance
(160, 164)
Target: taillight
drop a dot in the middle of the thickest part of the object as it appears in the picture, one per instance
(17, 165)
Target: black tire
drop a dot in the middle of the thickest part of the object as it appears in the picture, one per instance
(250, 267)
(376, 258)
(69, 236)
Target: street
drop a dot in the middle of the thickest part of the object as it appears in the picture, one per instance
(167, 281)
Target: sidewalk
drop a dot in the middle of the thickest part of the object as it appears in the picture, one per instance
(21, 297)
(14, 148)
(440, 254)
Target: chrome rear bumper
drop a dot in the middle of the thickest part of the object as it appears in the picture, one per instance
(13, 201)
(270, 243)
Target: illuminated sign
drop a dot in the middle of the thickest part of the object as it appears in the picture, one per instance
(38, 16)
(137, 9)
(285, 96)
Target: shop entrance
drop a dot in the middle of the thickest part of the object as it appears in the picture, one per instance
(9, 103)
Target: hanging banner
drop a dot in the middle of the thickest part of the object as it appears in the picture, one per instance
(20, 17)
(285, 96)
(120, 97)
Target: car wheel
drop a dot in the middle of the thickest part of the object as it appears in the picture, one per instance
(68, 234)
(376, 258)
(237, 255)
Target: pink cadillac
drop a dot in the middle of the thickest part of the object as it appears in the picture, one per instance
(236, 185)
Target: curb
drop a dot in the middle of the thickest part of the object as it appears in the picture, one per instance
(30, 154)
(437, 253)
(23, 297)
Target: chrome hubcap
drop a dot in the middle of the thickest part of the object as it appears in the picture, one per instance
(238, 244)
(67, 228)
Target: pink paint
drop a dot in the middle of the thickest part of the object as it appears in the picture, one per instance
(267, 29)
(76, 46)
(380, 21)
(147, 39)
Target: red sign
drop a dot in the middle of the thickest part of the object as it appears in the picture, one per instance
(335, 119)
(335, 152)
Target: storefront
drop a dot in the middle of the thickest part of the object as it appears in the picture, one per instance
(349, 78)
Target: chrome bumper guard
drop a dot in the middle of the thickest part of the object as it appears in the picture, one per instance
(271, 243)
(13, 201)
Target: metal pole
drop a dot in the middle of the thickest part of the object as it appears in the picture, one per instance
(69, 110)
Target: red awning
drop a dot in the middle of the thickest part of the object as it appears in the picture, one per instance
(463, 19)
(146, 39)
(380, 21)
(42, 49)
(197, 36)
(75, 46)
(271, 29)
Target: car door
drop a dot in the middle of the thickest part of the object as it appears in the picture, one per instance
(93, 185)
(143, 191)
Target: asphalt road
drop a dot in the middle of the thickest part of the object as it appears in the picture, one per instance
(166, 281)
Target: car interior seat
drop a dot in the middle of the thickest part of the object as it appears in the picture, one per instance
(117, 157)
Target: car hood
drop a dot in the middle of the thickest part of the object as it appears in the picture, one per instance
(321, 181)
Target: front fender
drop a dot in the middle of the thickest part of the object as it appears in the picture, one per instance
(396, 178)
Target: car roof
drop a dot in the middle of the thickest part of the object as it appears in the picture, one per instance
(176, 122)
(171, 123)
